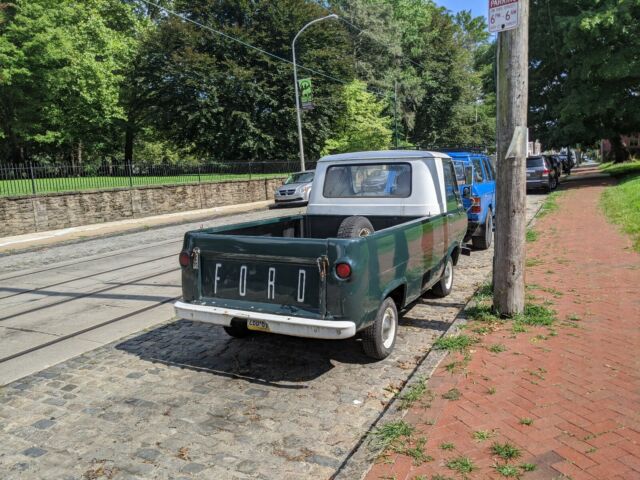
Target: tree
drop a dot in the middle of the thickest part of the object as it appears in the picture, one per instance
(362, 125)
(62, 65)
(585, 71)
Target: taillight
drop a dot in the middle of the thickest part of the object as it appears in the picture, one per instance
(476, 205)
(343, 270)
(546, 171)
(184, 259)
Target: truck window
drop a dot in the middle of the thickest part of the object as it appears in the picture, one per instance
(459, 168)
(450, 186)
(477, 168)
(391, 180)
(487, 168)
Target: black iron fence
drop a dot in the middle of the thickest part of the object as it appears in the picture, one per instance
(33, 179)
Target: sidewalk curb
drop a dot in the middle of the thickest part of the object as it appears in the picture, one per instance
(361, 459)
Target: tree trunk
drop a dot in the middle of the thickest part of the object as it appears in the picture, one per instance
(620, 152)
(511, 221)
(79, 152)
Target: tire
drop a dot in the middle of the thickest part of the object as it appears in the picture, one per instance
(237, 329)
(445, 284)
(354, 227)
(379, 338)
(483, 242)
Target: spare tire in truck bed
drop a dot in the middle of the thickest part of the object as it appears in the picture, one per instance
(356, 226)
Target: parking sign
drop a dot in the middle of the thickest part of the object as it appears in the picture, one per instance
(503, 15)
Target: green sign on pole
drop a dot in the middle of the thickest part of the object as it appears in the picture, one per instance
(306, 93)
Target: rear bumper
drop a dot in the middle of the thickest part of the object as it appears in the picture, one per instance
(281, 324)
(541, 183)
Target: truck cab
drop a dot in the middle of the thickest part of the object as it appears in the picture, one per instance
(381, 228)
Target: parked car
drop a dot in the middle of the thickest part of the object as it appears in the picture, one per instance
(541, 174)
(477, 183)
(296, 189)
(347, 266)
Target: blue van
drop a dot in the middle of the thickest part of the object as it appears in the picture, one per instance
(477, 182)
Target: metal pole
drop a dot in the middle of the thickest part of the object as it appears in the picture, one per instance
(295, 83)
(395, 112)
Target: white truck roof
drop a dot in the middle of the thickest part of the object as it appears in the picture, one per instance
(427, 197)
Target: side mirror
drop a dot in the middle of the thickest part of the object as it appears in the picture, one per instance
(468, 174)
(466, 192)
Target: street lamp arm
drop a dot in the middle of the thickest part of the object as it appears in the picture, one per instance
(295, 83)
(333, 15)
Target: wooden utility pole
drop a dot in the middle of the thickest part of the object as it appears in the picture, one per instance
(511, 222)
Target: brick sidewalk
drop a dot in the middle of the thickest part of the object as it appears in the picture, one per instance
(576, 385)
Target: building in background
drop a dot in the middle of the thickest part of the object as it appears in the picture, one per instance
(630, 142)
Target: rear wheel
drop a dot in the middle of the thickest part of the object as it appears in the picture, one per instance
(379, 338)
(354, 227)
(483, 241)
(445, 284)
(237, 329)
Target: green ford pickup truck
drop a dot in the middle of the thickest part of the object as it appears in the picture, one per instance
(381, 228)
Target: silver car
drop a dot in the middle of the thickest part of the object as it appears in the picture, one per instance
(296, 189)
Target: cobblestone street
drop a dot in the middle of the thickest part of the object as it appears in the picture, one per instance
(184, 400)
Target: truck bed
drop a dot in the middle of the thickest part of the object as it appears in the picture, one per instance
(304, 226)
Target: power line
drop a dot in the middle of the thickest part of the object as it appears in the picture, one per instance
(248, 45)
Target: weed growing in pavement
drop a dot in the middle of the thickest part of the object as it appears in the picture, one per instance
(437, 476)
(533, 262)
(536, 315)
(484, 293)
(550, 204)
(453, 394)
(387, 435)
(461, 465)
(574, 317)
(526, 421)
(415, 392)
(518, 328)
(506, 451)
(531, 235)
(527, 467)
(482, 330)
(416, 452)
(497, 348)
(507, 470)
(482, 435)
(454, 343)
(420, 477)
(447, 446)
(491, 390)
(538, 373)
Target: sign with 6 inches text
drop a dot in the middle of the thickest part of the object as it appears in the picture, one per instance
(503, 15)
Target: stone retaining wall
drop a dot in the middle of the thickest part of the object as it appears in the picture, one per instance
(20, 215)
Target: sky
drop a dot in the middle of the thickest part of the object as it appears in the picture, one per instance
(478, 7)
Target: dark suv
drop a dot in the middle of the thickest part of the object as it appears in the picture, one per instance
(541, 174)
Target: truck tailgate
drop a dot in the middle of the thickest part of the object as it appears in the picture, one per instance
(275, 273)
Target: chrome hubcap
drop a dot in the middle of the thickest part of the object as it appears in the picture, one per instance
(388, 328)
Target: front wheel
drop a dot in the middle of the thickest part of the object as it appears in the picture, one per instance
(379, 338)
(445, 284)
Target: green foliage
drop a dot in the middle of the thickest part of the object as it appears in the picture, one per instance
(362, 126)
(387, 435)
(414, 393)
(621, 203)
(584, 72)
(454, 343)
(110, 80)
(461, 465)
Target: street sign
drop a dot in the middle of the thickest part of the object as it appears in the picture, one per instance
(503, 15)
(306, 93)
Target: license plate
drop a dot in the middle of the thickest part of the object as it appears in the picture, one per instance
(259, 325)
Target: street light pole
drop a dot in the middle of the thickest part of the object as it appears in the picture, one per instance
(295, 83)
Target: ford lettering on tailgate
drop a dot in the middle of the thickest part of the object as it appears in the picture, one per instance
(261, 281)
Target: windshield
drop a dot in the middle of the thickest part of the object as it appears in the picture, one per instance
(300, 177)
(535, 162)
(376, 180)
(459, 168)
